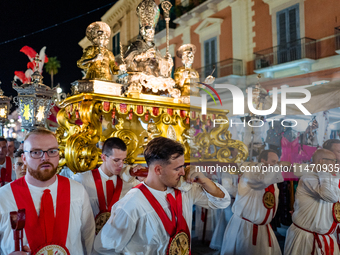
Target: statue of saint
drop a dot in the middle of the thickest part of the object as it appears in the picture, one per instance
(185, 75)
(98, 62)
(144, 62)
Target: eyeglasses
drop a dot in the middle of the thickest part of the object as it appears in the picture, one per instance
(330, 159)
(40, 153)
(117, 160)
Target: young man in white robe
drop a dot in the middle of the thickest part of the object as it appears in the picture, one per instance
(19, 166)
(249, 230)
(316, 209)
(154, 217)
(112, 178)
(59, 218)
(6, 171)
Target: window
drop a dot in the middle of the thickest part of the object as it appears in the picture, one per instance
(115, 44)
(210, 55)
(288, 34)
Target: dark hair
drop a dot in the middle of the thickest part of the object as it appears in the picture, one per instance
(113, 143)
(11, 139)
(329, 143)
(264, 155)
(3, 139)
(162, 149)
(18, 153)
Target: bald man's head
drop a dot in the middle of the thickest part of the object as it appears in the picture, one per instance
(323, 156)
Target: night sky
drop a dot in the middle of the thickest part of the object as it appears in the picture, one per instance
(21, 17)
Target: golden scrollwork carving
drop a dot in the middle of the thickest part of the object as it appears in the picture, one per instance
(216, 144)
(78, 144)
(80, 153)
(131, 141)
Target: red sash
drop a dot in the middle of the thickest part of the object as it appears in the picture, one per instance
(6, 173)
(113, 194)
(328, 248)
(176, 210)
(34, 234)
(270, 189)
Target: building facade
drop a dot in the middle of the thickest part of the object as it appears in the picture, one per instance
(288, 42)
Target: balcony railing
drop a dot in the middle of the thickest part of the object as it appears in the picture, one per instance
(186, 6)
(337, 38)
(226, 67)
(299, 49)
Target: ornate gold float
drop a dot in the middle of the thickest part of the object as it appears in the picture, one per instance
(88, 118)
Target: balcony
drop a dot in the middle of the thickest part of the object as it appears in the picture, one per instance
(337, 39)
(224, 68)
(300, 53)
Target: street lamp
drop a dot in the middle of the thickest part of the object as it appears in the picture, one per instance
(35, 101)
(4, 109)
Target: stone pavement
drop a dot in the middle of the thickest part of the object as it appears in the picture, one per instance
(200, 248)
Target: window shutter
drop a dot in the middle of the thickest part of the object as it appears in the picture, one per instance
(213, 52)
(282, 29)
(292, 25)
(206, 53)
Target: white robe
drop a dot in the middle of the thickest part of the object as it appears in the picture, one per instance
(314, 198)
(238, 235)
(211, 218)
(66, 172)
(230, 183)
(87, 180)
(81, 229)
(135, 228)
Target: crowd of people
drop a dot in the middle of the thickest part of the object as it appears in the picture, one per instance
(109, 211)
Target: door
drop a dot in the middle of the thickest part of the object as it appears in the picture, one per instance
(288, 34)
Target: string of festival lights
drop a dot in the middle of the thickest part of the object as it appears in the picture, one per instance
(55, 25)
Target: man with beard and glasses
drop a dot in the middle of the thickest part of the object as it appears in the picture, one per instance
(154, 217)
(58, 212)
(6, 173)
(108, 183)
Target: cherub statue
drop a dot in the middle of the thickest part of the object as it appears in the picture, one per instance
(189, 137)
(144, 61)
(152, 132)
(97, 60)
